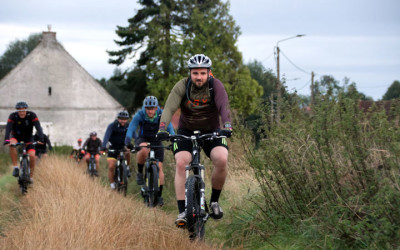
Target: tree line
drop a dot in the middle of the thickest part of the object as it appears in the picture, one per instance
(163, 34)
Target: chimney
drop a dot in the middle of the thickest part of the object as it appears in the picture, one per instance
(49, 37)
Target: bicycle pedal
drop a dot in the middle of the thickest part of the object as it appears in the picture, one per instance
(181, 224)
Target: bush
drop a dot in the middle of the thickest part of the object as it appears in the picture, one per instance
(336, 169)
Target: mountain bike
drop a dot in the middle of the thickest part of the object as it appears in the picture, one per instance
(121, 171)
(92, 168)
(151, 186)
(24, 178)
(197, 211)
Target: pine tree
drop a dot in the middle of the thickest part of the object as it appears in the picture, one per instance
(166, 33)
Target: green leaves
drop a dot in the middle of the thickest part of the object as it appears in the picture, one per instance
(16, 52)
(336, 169)
(164, 34)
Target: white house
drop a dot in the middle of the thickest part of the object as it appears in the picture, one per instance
(68, 101)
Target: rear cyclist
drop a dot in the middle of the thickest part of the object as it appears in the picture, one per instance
(41, 149)
(115, 135)
(92, 145)
(77, 150)
(147, 120)
(20, 128)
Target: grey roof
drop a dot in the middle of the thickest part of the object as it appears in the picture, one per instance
(49, 65)
(69, 102)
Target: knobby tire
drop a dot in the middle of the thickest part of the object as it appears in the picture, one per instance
(92, 165)
(195, 222)
(152, 185)
(121, 178)
(24, 176)
(124, 178)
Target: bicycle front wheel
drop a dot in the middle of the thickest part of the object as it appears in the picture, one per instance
(153, 185)
(124, 179)
(24, 177)
(195, 222)
(121, 178)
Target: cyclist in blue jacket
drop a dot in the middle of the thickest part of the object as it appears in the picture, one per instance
(115, 136)
(146, 121)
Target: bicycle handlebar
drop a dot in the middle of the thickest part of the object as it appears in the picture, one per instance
(208, 136)
(138, 148)
(119, 150)
(23, 143)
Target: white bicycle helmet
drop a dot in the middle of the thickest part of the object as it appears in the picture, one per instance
(199, 61)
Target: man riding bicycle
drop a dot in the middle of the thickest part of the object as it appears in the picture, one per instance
(115, 135)
(41, 149)
(20, 128)
(147, 120)
(92, 145)
(76, 149)
(203, 101)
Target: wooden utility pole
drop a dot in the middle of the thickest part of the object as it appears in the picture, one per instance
(312, 90)
(278, 84)
(278, 88)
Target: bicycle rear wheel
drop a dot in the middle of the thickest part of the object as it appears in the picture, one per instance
(152, 185)
(195, 222)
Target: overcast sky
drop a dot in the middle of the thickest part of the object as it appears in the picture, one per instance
(358, 39)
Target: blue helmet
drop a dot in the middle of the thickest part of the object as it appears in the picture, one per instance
(150, 101)
(21, 105)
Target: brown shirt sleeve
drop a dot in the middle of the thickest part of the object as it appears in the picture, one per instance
(173, 102)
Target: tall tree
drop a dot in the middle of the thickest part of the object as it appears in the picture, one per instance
(16, 51)
(329, 86)
(264, 77)
(393, 91)
(150, 38)
(167, 32)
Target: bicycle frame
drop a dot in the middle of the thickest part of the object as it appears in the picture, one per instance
(92, 165)
(198, 170)
(150, 192)
(196, 230)
(121, 165)
(24, 178)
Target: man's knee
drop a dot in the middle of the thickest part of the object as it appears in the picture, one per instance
(219, 157)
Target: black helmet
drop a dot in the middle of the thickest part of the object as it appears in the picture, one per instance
(21, 105)
(199, 61)
(123, 114)
(93, 133)
(150, 101)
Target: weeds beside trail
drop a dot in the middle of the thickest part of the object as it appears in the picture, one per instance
(65, 209)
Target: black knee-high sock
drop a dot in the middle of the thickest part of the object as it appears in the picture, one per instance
(160, 191)
(140, 168)
(215, 195)
(181, 205)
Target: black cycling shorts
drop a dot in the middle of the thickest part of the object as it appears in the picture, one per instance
(113, 155)
(159, 152)
(207, 145)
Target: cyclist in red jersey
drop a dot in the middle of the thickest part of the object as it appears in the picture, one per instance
(20, 128)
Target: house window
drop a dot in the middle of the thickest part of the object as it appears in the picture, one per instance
(49, 91)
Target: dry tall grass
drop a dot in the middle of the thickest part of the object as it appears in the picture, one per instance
(65, 209)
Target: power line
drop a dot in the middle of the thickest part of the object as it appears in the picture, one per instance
(267, 57)
(304, 85)
(302, 70)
